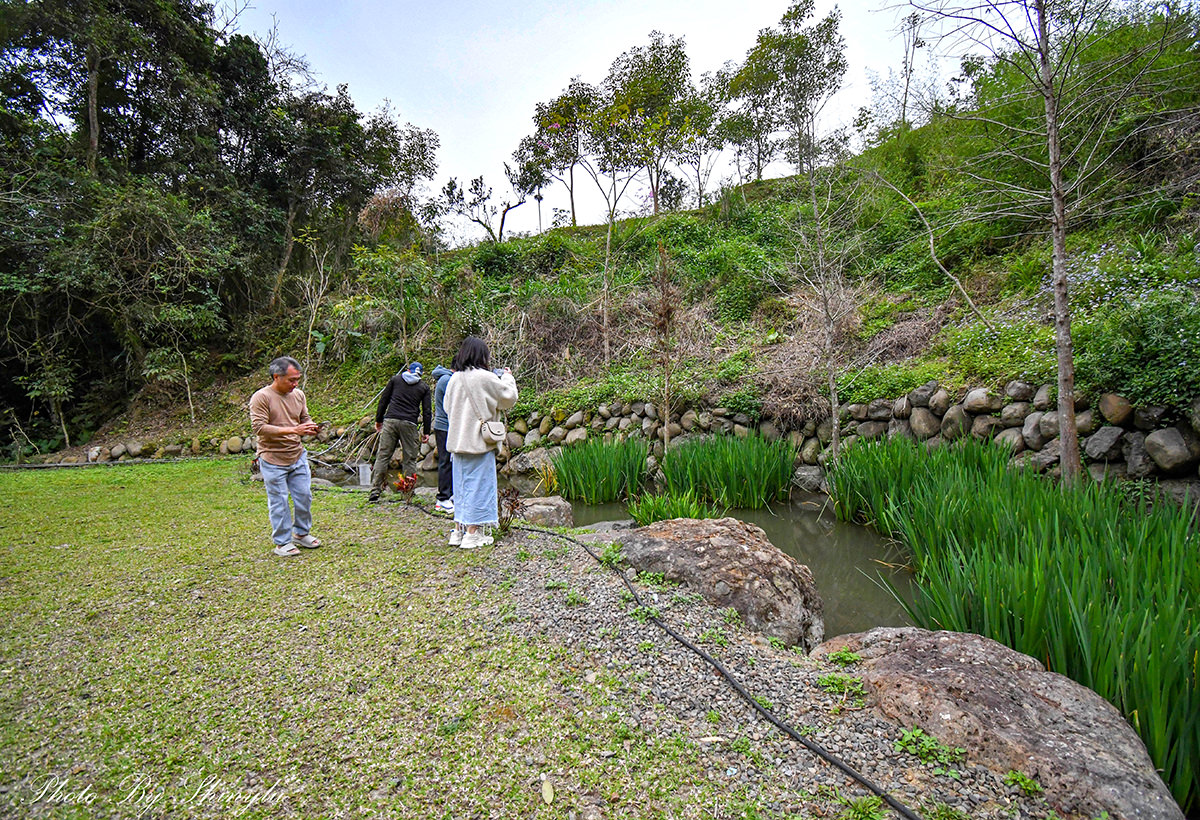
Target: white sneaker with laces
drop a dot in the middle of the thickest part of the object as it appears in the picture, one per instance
(474, 540)
(456, 537)
(446, 507)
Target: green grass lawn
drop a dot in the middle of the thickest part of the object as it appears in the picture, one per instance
(157, 660)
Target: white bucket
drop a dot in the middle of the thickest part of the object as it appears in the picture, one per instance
(364, 473)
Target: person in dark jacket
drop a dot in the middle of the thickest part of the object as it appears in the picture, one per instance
(400, 403)
(441, 423)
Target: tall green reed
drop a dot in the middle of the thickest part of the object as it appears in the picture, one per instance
(597, 472)
(646, 509)
(746, 472)
(1073, 576)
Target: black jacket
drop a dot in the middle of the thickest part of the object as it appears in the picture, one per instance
(401, 400)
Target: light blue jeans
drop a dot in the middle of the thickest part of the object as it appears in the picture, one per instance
(294, 480)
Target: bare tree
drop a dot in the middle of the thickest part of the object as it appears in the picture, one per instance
(664, 317)
(314, 285)
(828, 244)
(479, 209)
(609, 138)
(1059, 53)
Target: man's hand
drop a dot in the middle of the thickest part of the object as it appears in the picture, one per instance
(424, 437)
(378, 427)
(308, 428)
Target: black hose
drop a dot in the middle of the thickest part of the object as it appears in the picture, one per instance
(812, 746)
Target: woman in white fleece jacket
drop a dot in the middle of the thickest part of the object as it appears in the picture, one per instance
(475, 394)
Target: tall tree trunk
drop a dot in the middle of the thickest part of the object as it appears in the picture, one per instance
(289, 242)
(93, 93)
(604, 293)
(56, 409)
(654, 183)
(1069, 457)
(571, 191)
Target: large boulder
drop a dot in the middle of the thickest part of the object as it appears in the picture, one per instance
(1041, 399)
(872, 429)
(575, 436)
(984, 427)
(1085, 422)
(1049, 425)
(924, 423)
(1174, 450)
(1009, 713)
(1012, 439)
(532, 461)
(940, 402)
(1048, 456)
(1149, 418)
(879, 410)
(825, 431)
(980, 400)
(1138, 463)
(732, 564)
(1019, 391)
(1014, 415)
(1031, 431)
(1104, 444)
(920, 396)
(1183, 491)
(1115, 409)
(550, 511)
(809, 479)
(810, 450)
(902, 408)
(956, 423)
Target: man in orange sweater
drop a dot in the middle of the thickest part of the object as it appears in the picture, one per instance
(279, 418)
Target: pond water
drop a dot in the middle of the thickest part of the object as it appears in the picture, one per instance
(850, 563)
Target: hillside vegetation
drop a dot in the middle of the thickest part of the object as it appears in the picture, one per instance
(169, 277)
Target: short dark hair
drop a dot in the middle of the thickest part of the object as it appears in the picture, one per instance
(279, 367)
(472, 353)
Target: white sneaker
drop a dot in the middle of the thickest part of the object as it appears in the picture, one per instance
(446, 507)
(473, 540)
(456, 537)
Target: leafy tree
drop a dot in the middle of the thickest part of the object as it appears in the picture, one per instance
(752, 122)
(809, 64)
(328, 157)
(610, 140)
(702, 137)
(651, 86)
(558, 145)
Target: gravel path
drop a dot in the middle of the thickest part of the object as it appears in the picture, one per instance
(552, 590)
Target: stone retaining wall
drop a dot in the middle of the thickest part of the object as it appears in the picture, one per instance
(1117, 439)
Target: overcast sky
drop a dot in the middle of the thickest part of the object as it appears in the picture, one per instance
(473, 71)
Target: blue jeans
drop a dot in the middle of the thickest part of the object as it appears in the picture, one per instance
(295, 480)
